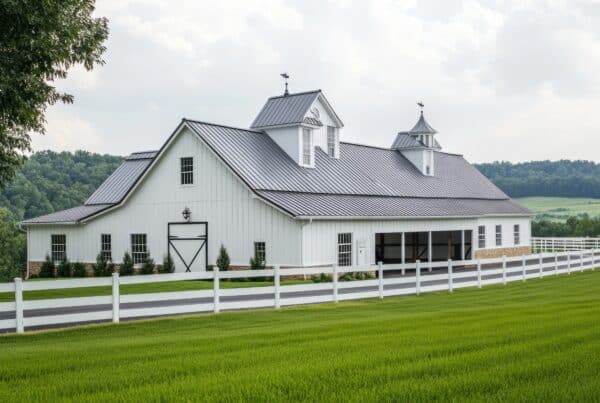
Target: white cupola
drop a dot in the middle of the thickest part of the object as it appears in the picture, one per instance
(418, 145)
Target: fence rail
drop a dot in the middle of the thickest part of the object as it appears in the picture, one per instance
(391, 280)
(541, 244)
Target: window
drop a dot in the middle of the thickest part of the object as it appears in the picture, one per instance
(58, 247)
(331, 141)
(139, 248)
(345, 249)
(481, 233)
(428, 170)
(260, 251)
(105, 247)
(498, 235)
(517, 234)
(187, 170)
(306, 146)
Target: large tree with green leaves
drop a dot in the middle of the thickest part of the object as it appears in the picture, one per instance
(40, 40)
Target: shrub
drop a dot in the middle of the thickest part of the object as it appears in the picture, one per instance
(257, 264)
(8, 273)
(47, 268)
(356, 276)
(127, 265)
(103, 267)
(321, 278)
(78, 269)
(168, 266)
(64, 268)
(223, 259)
(147, 266)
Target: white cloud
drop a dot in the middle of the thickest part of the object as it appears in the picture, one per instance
(64, 131)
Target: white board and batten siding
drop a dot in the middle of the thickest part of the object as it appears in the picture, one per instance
(319, 238)
(235, 216)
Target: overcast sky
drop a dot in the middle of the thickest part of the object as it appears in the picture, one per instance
(506, 80)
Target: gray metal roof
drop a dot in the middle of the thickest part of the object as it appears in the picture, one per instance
(71, 215)
(117, 185)
(319, 205)
(360, 170)
(285, 109)
(422, 127)
(404, 140)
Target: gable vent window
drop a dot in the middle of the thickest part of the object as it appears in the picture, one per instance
(306, 146)
(260, 252)
(187, 171)
(106, 247)
(345, 249)
(58, 247)
(498, 235)
(517, 233)
(139, 248)
(331, 141)
(481, 234)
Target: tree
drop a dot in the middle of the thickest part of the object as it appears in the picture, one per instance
(40, 41)
(13, 249)
(223, 259)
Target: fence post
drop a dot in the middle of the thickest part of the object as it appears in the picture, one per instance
(478, 273)
(569, 263)
(216, 289)
(380, 275)
(504, 269)
(277, 283)
(19, 304)
(555, 263)
(541, 265)
(450, 284)
(418, 277)
(334, 279)
(116, 298)
(524, 268)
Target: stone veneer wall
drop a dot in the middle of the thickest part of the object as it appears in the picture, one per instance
(499, 252)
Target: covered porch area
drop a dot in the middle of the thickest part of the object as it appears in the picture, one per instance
(431, 246)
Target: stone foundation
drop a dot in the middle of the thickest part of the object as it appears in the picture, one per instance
(499, 252)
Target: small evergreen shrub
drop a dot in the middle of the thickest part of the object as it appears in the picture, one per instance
(147, 266)
(47, 268)
(257, 264)
(103, 267)
(321, 278)
(223, 259)
(64, 268)
(127, 265)
(78, 269)
(168, 266)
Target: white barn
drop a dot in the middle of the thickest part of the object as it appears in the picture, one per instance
(290, 191)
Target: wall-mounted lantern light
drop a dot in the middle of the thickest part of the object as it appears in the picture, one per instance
(186, 213)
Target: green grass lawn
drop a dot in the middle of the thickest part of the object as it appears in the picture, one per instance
(534, 341)
(139, 289)
(561, 208)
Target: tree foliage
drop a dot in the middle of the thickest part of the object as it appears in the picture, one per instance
(223, 260)
(40, 41)
(13, 252)
(562, 178)
(573, 227)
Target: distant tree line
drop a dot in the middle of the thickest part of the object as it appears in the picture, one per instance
(574, 227)
(562, 178)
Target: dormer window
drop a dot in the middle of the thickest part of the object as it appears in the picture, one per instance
(331, 141)
(306, 147)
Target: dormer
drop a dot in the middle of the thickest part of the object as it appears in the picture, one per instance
(418, 146)
(299, 123)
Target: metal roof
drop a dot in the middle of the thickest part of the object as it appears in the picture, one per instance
(69, 216)
(404, 140)
(117, 185)
(319, 205)
(422, 127)
(285, 109)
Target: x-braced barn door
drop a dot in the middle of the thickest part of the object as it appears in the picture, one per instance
(187, 245)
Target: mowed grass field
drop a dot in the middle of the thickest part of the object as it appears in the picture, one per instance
(534, 341)
(561, 208)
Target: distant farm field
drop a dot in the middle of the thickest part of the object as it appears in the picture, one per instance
(561, 208)
(533, 341)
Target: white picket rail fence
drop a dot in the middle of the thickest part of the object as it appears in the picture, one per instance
(471, 273)
(546, 244)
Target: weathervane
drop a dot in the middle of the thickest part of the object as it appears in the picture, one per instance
(421, 105)
(285, 77)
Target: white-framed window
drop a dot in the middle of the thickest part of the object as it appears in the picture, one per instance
(498, 235)
(139, 248)
(517, 234)
(345, 249)
(331, 141)
(481, 236)
(306, 146)
(187, 170)
(106, 247)
(58, 247)
(260, 251)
